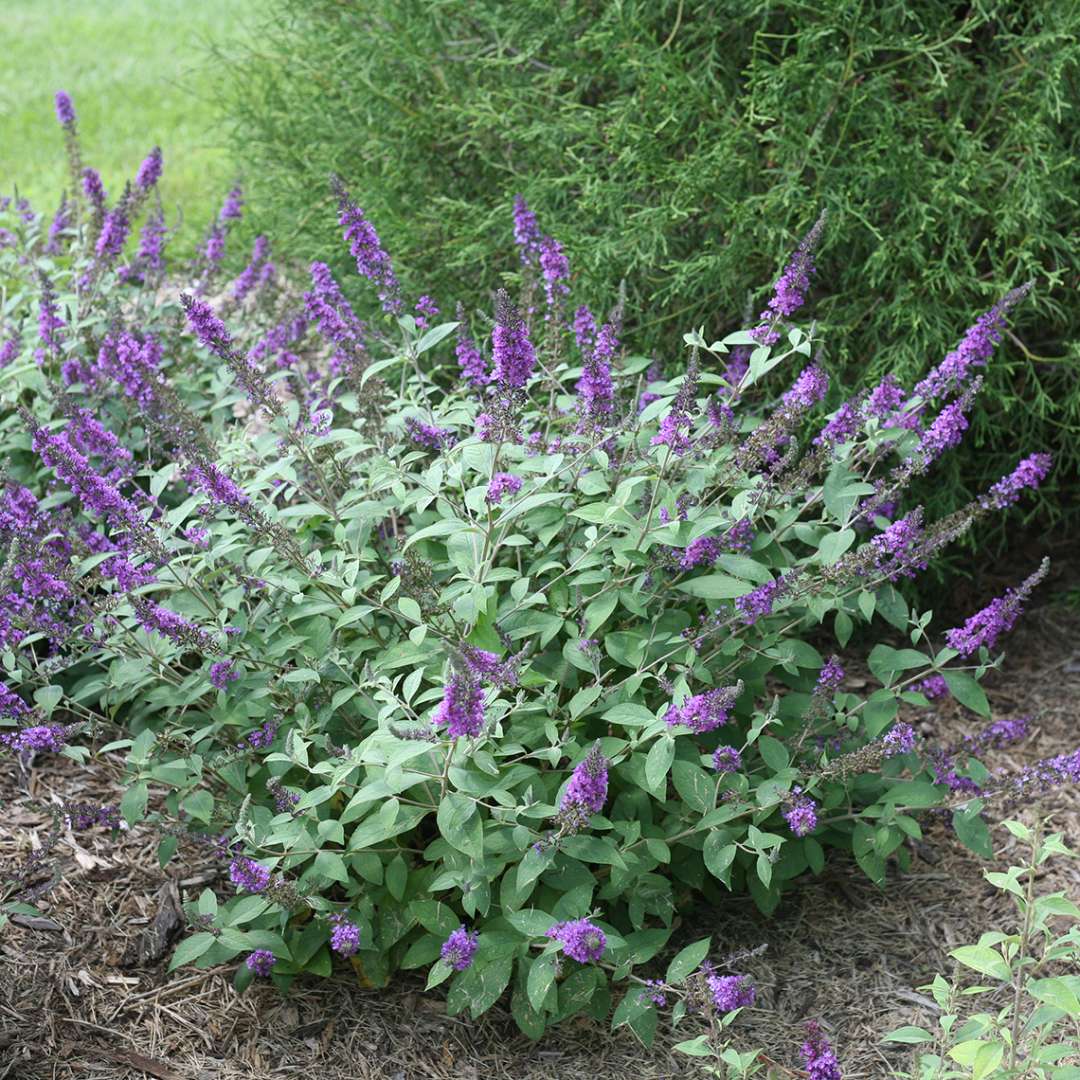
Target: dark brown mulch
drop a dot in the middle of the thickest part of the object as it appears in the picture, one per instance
(838, 949)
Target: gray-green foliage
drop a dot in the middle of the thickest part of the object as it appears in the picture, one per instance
(685, 144)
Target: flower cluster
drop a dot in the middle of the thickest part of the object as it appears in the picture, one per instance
(791, 287)
(459, 948)
(983, 629)
(704, 712)
(581, 940)
(345, 936)
(587, 791)
(249, 875)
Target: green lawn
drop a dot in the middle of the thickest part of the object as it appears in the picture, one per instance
(139, 73)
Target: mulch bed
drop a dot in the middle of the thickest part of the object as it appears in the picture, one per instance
(77, 1002)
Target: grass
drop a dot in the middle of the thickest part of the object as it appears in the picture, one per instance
(138, 73)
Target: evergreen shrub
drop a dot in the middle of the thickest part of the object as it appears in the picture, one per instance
(681, 144)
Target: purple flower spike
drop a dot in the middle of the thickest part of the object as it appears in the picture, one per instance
(94, 189)
(704, 712)
(222, 673)
(372, 261)
(997, 618)
(582, 940)
(526, 233)
(51, 738)
(830, 676)
(511, 349)
(500, 485)
(150, 170)
(469, 357)
(945, 432)
(249, 875)
(818, 1056)
(731, 992)
(345, 937)
(596, 391)
(726, 759)
(208, 328)
(461, 710)
(791, 287)
(900, 740)
(261, 962)
(1031, 472)
(65, 110)
(459, 948)
(586, 793)
(801, 814)
(584, 328)
(555, 267)
(232, 209)
(973, 351)
(808, 389)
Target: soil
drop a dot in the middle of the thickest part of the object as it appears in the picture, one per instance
(81, 1000)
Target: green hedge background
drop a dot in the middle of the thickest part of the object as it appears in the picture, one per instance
(685, 145)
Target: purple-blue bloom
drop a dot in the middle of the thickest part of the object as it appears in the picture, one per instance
(999, 616)
(726, 759)
(730, 992)
(261, 962)
(65, 110)
(818, 1056)
(1028, 474)
(372, 260)
(973, 351)
(249, 875)
(469, 357)
(801, 814)
(222, 673)
(704, 712)
(459, 948)
(150, 170)
(461, 710)
(586, 793)
(501, 484)
(526, 232)
(899, 740)
(582, 940)
(791, 287)
(511, 349)
(345, 936)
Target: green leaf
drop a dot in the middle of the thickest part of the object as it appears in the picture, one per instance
(133, 802)
(694, 785)
(191, 949)
(436, 918)
(973, 832)
(1063, 993)
(773, 753)
(984, 960)
(531, 922)
(834, 545)
(658, 762)
(541, 979)
(687, 960)
(719, 855)
(715, 587)
(460, 825)
(967, 691)
(909, 1034)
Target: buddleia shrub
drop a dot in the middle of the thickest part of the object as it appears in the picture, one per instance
(681, 146)
(482, 646)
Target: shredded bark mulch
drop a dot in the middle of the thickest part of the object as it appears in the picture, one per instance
(84, 994)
